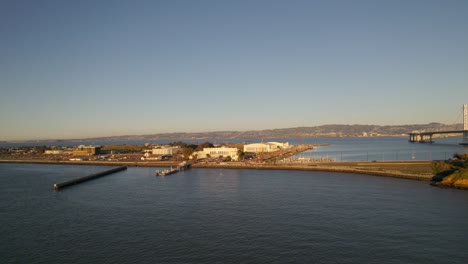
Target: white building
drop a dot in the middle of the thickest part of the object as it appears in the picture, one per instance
(265, 147)
(217, 152)
(280, 145)
(53, 151)
(165, 151)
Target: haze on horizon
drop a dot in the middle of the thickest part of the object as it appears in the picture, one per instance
(77, 69)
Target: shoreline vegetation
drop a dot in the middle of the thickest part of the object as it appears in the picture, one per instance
(451, 173)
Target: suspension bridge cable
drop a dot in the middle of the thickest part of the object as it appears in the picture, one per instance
(458, 118)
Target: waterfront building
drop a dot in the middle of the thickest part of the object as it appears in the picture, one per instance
(217, 152)
(166, 151)
(87, 150)
(265, 147)
(280, 145)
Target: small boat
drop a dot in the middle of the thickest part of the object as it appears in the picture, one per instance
(166, 172)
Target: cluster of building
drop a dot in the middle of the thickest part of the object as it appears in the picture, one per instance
(160, 152)
(81, 150)
(234, 152)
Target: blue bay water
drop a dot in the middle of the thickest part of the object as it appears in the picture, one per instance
(384, 149)
(226, 216)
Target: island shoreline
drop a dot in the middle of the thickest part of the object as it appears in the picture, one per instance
(324, 167)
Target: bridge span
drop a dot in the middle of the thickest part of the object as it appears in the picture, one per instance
(426, 137)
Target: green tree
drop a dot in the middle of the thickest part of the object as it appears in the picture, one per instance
(241, 154)
(440, 167)
(178, 143)
(187, 152)
(204, 145)
(41, 149)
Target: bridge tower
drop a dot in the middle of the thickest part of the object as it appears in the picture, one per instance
(465, 124)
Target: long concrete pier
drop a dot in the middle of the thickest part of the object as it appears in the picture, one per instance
(62, 185)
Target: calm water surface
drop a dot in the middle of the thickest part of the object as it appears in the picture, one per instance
(384, 149)
(227, 216)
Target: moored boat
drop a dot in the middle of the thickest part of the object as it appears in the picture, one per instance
(166, 172)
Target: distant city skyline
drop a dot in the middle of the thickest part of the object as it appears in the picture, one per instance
(80, 69)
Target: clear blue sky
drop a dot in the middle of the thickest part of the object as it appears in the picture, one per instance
(75, 69)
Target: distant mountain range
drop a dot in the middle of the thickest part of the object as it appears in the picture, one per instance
(297, 132)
